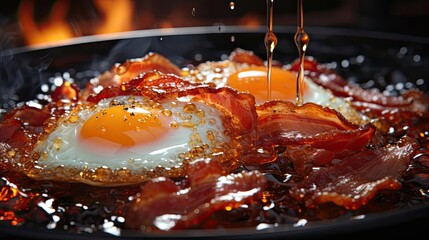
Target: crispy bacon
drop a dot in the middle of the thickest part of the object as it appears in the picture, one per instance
(406, 107)
(26, 116)
(130, 69)
(242, 56)
(282, 123)
(67, 91)
(151, 84)
(18, 125)
(164, 205)
(357, 178)
(375, 101)
(13, 135)
(240, 106)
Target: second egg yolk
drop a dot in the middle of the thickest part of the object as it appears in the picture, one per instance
(254, 81)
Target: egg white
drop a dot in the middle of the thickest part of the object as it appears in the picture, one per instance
(324, 97)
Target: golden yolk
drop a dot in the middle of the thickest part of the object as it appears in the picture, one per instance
(254, 81)
(126, 126)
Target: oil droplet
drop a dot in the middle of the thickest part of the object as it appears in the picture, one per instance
(210, 136)
(112, 104)
(270, 43)
(11, 153)
(157, 106)
(187, 124)
(131, 100)
(212, 121)
(196, 137)
(200, 113)
(58, 143)
(181, 156)
(44, 155)
(35, 156)
(232, 38)
(232, 5)
(174, 125)
(190, 108)
(123, 173)
(301, 41)
(73, 118)
(103, 173)
(167, 112)
(121, 69)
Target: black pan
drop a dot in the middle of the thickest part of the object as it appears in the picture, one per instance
(372, 59)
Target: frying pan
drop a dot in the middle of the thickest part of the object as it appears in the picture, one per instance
(371, 59)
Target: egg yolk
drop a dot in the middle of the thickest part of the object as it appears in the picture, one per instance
(254, 81)
(124, 126)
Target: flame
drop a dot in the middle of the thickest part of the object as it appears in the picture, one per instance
(55, 28)
(111, 16)
(118, 15)
(115, 16)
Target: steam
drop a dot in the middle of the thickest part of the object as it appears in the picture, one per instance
(20, 77)
(10, 76)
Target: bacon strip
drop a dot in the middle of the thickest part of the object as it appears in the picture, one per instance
(151, 84)
(163, 205)
(12, 135)
(377, 103)
(357, 178)
(132, 68)
(239, 106)
(282, 123)
(18, 125)
(242, 56)
(67, 91)
(26, 115)
(129, 70)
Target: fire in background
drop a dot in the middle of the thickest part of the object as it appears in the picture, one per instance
(51, 21)
(28, 22)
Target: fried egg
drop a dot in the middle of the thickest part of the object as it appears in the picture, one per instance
(253, 79)
(283, 86)
(128, 139)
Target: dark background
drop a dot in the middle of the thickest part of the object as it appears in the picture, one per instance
(397, 16)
